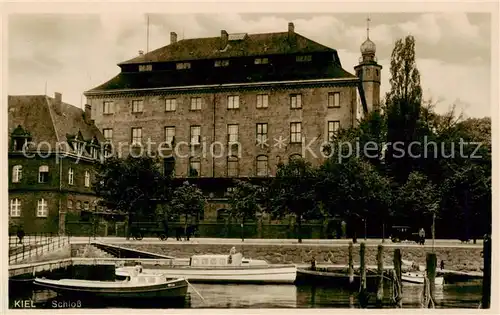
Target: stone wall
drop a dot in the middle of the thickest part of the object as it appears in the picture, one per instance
(462, 259)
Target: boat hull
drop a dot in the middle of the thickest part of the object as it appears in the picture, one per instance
(335, 279)
(420, 280)
(174, 289)
(268, 275)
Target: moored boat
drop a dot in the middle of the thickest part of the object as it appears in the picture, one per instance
(418, 278)
(231, 268)
(136, 285)
(334, 278)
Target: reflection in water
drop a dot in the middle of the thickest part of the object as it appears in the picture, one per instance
(269, 296)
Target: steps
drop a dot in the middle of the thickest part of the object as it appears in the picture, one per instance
(90, 251)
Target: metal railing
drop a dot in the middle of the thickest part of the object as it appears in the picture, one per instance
(34, 245)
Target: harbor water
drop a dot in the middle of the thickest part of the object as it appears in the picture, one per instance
(458, 295)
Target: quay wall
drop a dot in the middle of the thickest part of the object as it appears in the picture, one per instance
(455, 258)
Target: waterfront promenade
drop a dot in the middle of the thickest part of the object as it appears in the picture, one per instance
(306, 242)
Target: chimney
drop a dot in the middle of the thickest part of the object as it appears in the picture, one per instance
(173, 37)
(87, 114)
(58, 102)
(224, 38)
(291, 34)
(141, 52)
(291, 28)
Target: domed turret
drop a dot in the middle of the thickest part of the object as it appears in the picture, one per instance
(368, 47)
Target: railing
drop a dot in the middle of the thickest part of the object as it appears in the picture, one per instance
(33, 245)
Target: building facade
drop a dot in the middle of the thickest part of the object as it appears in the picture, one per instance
(53, 148)
(235, 105)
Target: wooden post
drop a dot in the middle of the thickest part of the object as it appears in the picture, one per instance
(380, 269)
(485, 301)
(429, 281)
(351, 267)
(397, 273)
(363, 296)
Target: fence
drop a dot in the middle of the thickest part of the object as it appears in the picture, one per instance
(33, 245)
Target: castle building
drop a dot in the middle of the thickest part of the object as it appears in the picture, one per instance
(235, 105)
(53, 147)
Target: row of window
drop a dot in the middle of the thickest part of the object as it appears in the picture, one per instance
(43, 175)
(261, 166)
(233, 102)
(224, 63)
(41, 209)
(232, 133)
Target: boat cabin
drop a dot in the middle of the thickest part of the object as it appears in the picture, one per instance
(217, 260)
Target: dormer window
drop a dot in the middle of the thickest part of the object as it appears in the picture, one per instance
(148, 67)
(20, 138)
(221, 63)
(183, 65)
(303, 58)
(261, 61)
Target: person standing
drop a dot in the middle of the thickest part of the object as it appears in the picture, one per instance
(421, 235)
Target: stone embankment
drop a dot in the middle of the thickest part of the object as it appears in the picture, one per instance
(459, 259)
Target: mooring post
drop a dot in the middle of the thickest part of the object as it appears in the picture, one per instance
(397, 281)
(485, 301)
(430, 281)
(351, 267)
(380, 269)
(363, 296)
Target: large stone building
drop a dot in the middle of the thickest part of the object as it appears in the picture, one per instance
(53, 147)
(234, 105)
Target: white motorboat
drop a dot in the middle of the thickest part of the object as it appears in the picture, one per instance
(231, 268)
(418, 278)
(136, 285)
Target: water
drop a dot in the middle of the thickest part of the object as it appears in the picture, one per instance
(460, 295)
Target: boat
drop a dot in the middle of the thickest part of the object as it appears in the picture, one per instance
(418, 278)
(136, 285)
(335, 277)
(230, 268)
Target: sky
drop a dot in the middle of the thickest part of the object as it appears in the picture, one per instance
(72, 53)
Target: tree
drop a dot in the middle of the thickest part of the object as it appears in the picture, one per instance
(132, 185)
(403, 103)
(244, 201)
(292, 192)
(187, 201)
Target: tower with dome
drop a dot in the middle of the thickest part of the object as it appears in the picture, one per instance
(369, 72)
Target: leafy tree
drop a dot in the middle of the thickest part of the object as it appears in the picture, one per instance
(187, 201)
(403, 103)
(244, 201)
(132, 185)
(292, 192)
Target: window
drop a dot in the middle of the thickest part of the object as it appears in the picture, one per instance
(367, 72)
(333, 127)
(195, 103)
(169, 135)
(145, 68)
(194, 167)
(195, 134)
(41, 209)
(221, 63)
(137, 106)
(261, 61)
(262, 100)
(232, 166)
(296, 101)
(70, 176)
(334, 99)
(295, 132)
(108, 134)
(70, 204)
(136, 135)
(376, 71)
(262, 166)
(78, 205)
(261, 133)
(170, 104)
(183, 65)
(86, 205)
(43, 174)
(15, 207)
(17, 173)
(19, 143)
(169, 166)
(87, 179)
(232, 133)
(108, 107)
(304, 58)
(94, 152)
(233, 102)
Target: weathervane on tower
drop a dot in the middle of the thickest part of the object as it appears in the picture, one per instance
(368, 27)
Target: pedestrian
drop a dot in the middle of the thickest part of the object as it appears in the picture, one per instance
(20, 234)
(442, 264)
(421, 235)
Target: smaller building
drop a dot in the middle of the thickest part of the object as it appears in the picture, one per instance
(53, 147)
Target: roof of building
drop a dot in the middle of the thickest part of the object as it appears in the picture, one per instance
(238, 45)
(45, 121)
